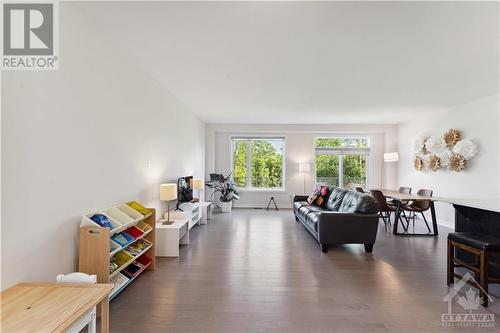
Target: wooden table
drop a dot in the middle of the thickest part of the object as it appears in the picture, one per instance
(402, 197)
(51, 307)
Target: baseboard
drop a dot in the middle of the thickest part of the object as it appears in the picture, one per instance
(257, 206)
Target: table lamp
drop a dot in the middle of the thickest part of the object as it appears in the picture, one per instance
(304, 168)
(168, 192)
(198, 184)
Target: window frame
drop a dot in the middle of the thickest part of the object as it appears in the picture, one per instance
(341, 152)
(249, 187)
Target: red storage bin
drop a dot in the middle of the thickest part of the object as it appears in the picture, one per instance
(134, 232)
(138, 266)
(144, 260)
(133, 269)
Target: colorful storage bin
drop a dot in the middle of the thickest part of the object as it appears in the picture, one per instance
(122, 238)
(138, 207)
(134, 232)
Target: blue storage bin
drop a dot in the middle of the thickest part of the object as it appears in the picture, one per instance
(122, 238)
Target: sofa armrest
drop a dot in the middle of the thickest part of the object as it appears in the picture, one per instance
(300, 198)
(342, 228)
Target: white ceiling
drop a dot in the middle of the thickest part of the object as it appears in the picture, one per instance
(324, 62)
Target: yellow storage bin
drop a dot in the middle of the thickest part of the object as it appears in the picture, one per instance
(144, 226)
(138, 207)
(119, 261)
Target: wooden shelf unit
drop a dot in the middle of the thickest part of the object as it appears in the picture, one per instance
(95, 250)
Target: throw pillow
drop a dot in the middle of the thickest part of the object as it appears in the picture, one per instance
(314, 195)
(312, 198)
(324, 190)
(323, 193)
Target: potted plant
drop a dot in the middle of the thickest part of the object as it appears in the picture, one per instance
(227, 189)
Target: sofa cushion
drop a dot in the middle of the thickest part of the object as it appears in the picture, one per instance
(298, 204)
(335, 199)
(304, 210)
(356, 202)
(312, 219)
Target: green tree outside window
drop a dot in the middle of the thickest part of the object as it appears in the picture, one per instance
(353, 166)
(266, 163)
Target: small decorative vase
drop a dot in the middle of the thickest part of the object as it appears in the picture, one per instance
(226, 206)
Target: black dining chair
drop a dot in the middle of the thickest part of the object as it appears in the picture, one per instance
(404, 190)
(359, 189)
(384, 210)
(419, 206)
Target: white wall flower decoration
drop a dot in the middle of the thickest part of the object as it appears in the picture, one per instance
(419, 145)
(444, 156)
(465, 148)
(448, 150)
(435, 145)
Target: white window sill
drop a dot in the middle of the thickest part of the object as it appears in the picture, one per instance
(265, 190)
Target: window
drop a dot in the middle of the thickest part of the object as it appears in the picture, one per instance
(258, 163)
(342, 162)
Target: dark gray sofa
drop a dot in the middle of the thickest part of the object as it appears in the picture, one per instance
(347, 217)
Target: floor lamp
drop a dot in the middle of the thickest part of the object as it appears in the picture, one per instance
(304, 168)
(388, 158)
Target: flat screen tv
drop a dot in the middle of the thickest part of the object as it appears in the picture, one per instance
(184, 189)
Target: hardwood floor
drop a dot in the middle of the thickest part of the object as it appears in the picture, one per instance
(259, 271)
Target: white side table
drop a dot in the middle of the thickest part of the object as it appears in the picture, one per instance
(170, 236)
(206, 213)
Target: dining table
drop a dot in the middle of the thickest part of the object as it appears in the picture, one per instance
(400, 199)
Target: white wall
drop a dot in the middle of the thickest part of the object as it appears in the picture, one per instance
(95, 133)
(299, 148)
(479, 121)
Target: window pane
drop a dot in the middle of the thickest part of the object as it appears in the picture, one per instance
(327, 170)
(240, 163)
(267, 163)
(329, 142)
(342, 142)
(356, 142)
(354, 171)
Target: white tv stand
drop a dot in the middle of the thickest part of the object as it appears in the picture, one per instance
(169, 237)
(190, 211)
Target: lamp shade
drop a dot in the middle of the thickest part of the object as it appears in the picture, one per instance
(198, 183)
(304, 167)
(391, 157)
(168, 192)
